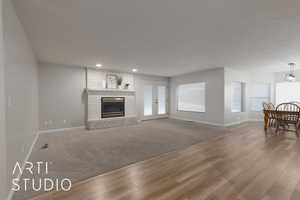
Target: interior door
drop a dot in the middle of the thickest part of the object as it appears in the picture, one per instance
(155, 101)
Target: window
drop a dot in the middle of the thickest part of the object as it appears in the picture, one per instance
(191, 97)
(148, 100)
(287, 92)
(260, 92)
(237, 96)
(162, 100)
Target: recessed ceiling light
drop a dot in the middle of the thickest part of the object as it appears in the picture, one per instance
(99, 65)
(134, 70)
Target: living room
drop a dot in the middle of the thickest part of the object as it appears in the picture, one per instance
(149, 100)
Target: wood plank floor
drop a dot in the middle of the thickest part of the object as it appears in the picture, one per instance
(244, 164)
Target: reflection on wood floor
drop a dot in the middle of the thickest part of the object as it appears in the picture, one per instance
(244, 164)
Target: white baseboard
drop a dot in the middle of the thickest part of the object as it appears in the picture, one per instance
(61, 129)
(236, 123)
(256, 120)
(216, 124)
(197, 121)
(11, 192)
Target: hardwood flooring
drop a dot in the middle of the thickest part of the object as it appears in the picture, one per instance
(81, 154)
(244, 164)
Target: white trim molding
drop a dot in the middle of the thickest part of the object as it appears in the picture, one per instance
(236, 123)
(62, 129)
(217, 124)
(197, 121)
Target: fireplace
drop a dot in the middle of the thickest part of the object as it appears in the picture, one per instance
(112, 107)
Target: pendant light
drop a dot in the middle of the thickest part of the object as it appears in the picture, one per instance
(291, 76)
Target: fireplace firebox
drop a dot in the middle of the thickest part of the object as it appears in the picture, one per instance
(112, 107)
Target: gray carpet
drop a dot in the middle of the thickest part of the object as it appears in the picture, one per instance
(79, 155)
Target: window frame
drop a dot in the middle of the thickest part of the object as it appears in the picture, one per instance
(177, 97)
(243, 99)
(252, 97)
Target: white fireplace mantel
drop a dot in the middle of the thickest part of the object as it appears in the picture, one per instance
(96, 90)
(111, 90)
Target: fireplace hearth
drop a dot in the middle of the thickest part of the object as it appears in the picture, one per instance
(112, 107)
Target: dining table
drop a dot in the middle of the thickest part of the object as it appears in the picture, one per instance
(276, 114)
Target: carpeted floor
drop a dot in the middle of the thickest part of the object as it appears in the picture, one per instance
(79, 155)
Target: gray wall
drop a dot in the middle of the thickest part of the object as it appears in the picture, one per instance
(230, 76)
(249, 78)
(214, 80)
(61, 100)
(3, 163)
(61, 95)
(21, 89)
(218, 95)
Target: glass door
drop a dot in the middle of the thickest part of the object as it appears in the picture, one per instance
(155, 101)
(148, 100)
(161, 100)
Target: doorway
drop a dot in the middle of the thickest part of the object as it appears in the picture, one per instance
(155, 100)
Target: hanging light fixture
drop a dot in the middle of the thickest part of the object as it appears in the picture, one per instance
(291, 76)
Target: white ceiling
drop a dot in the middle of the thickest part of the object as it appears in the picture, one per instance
(164, 37)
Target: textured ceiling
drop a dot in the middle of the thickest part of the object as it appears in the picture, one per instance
(164, 37)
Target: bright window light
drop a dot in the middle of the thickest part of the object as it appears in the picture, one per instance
(237, 96)
(260, 92)
(191, 97)
(287, 92)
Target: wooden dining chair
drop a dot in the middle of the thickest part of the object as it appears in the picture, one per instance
(271, 116)
(295, 102)
(287, 114)
(271, 106)
(265, 106)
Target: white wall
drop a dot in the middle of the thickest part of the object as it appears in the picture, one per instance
(3, 161)
(280, 76)
(61, 96)
(21, 89)
(249, 78)
(214, 80)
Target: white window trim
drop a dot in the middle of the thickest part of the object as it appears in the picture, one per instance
(243, 99)
(177, 98)
(255, 97)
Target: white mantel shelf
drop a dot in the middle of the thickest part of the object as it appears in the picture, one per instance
(109, 90)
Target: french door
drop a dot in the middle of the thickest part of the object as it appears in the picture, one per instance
(155, 100)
